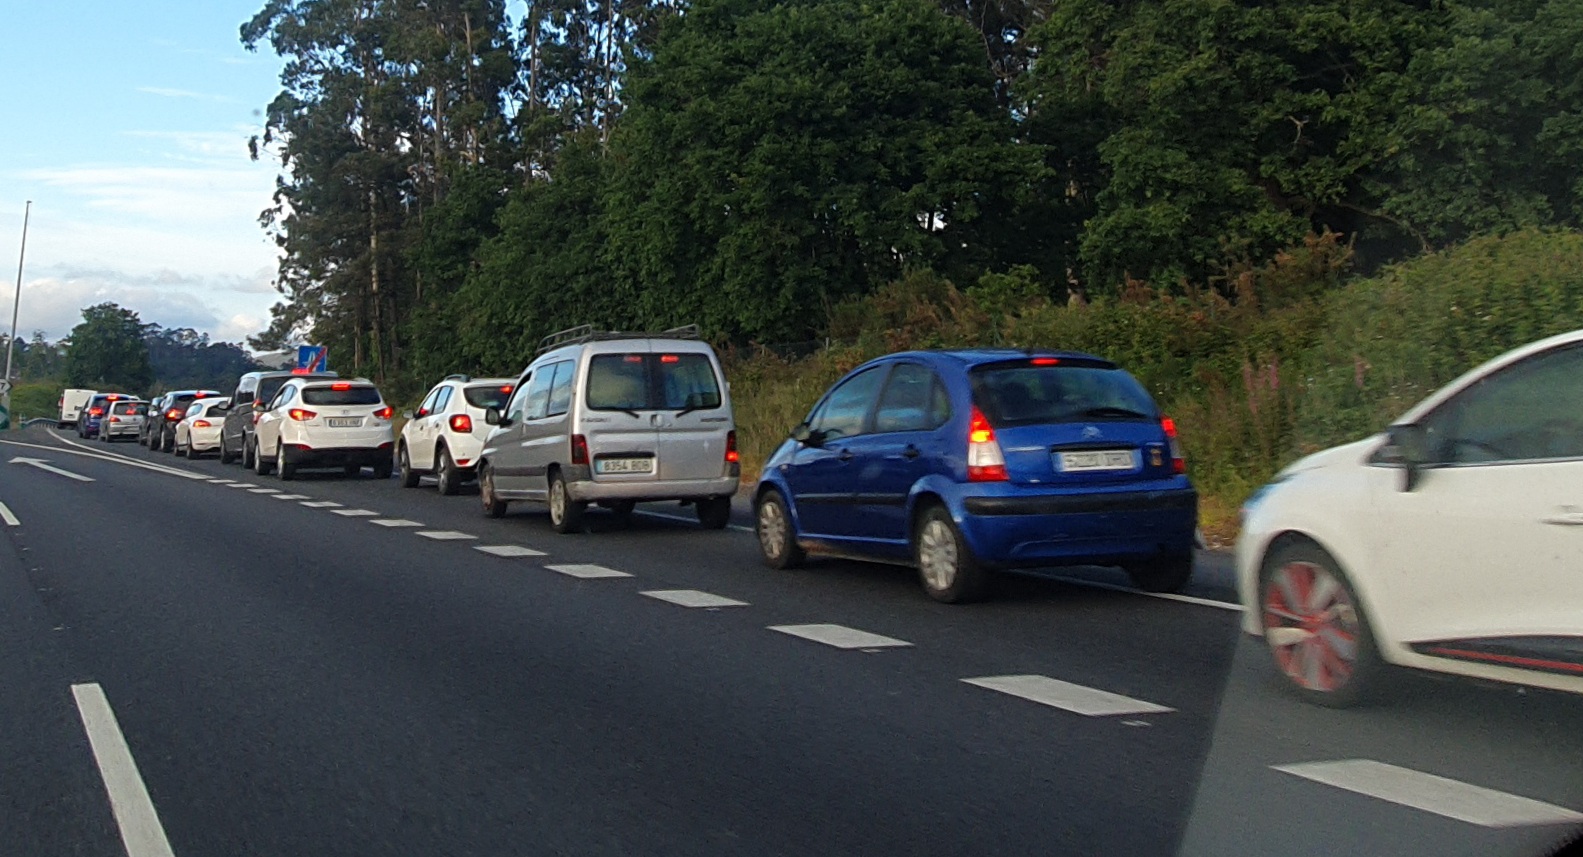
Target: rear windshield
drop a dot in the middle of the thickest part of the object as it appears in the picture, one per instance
(652, 382)
(1025, 394)
(488, 397)
(180, 402)
(124, 408)
(269, 386)
(348, 396)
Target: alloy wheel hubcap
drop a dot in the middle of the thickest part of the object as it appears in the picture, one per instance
(557, 502)
(1311, 626)
(937, 555)
(772, 529)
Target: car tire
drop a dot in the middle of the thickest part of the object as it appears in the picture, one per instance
(285, 468)
(947, 569)
(1313, 660)
(776, 533)
(409, 477)
(622, 510)
(1162, 574)
(566, 514)
(226, 455)
(247, 454)
(383, 469)
(261, 466)
(714, 513)
(446, 477)
(494, 507)
(167, 443)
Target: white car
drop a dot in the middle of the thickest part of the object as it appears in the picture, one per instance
(446, 433)
(1452, 542)
(199, 431)
(324, 423)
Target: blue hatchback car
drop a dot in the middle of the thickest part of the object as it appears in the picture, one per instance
(963, 462)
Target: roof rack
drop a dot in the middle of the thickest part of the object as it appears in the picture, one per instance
(586, 333)
(460, 376)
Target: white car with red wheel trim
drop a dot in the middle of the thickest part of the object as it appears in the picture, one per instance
(446, 433)
(1452, 542)
(324, 423)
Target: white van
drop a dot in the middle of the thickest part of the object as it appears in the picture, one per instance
(71, 404)
(615, 419)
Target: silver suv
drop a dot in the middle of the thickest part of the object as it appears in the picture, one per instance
(614, 419)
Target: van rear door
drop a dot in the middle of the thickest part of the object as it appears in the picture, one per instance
(616, 418)
(692, 417)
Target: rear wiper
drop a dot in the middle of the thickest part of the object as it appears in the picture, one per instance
(1125, 413)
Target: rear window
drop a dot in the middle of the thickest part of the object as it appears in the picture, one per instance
(269, 386)
(652, 382)
(125, 408)
(348, 396)
(488, 397)
(180, 402)
(1021, 393)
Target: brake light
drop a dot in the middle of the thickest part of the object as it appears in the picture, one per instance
(112, 397)
(341, 386)
(985, 462)
(115, 419)
(579, 449)
(201, 396)
(301, 414)
(506, 389)
(175, 414)
(731, 448)
(462, 423)
(202, 424)
(1178, 463)
(384, 413)
(1045, 361)
(670, 358)
(633, 358)
(96, 412)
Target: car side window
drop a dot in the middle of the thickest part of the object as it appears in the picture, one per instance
(561, 388)
(442, 398)
(519, 399)
(283, 397)
(845, 411)
(1530, 411)
(427, 407)
(906, 404)
(538, 398)
(195, 409)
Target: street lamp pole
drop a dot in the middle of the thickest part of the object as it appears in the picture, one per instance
(16, 306)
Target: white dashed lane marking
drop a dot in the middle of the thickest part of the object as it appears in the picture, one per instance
(241, 485)
(141, 833)
(10, 519)
(508, 550)
(694, 598)
(586, 572)
(840, 636)
(393, 522)
(263, 490)
(290, 497)
(1067, 696)
(323, 504)
(1430, 793)
(356, 513)
(221, 481)
(446, 535)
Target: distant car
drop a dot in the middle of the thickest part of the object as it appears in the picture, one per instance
(125, 419)
(253, 392)
(155, 406)
(94, 411)
(199, 431)
(962, 462)
(71, 404)
(446, 433)
(614, 419)
(1452, 542)
(159, 432)
(324, 423)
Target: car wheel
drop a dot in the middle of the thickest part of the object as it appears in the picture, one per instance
(566, 514)
(445, 475)
(288, 471)
(777, 536)
(383, 469)
(261, 466)
(714, 513)
(409, 477)
(494, 507)
(167, 443)
(1316, 628)
(247, 453)
(1162, 574)
(946, 566)
(226, 455)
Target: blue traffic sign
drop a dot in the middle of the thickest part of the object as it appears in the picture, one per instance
(313, 358)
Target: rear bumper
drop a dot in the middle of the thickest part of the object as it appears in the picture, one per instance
(204, 439)
(582, 488)
(362, 456)
(1099, 528)
(120, 430)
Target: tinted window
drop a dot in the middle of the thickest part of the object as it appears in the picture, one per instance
(1533, 410)
(561, 389)
(843, 413)
(180, 403)
(487, 397)
(618, 382)
(912, 401)
(686, 381)
(1025, 394)
(349, 396)
(538, 398)
(195, 410)
(653, 382)
(123, 408)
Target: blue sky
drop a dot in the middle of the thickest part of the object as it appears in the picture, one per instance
(127, 125)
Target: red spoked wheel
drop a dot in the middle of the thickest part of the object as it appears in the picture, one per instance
(1315, 627)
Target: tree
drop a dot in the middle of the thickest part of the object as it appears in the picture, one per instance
(107, 351)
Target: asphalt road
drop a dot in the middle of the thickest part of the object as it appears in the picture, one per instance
(295, 679)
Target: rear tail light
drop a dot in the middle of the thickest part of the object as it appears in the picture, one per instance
(301, 414)
(462, 424)
(731, 448)
(985, 462)
(174, 414)
(202, 424)
(95, 412)
(1178, 463)
(115, 419)
(384, 413)
(579, 449)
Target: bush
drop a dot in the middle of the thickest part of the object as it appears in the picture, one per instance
(30, 401)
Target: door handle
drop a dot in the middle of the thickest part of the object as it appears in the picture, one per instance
(910, 452)
(1566, 519)
(845, 455)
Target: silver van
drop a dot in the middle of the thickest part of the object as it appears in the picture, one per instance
(614, 419)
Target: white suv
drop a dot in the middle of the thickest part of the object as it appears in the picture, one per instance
(324, 423)
(446, 433)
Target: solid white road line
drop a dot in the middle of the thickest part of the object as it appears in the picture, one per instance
(42, 464)
(393, 522)
(291, 497)
(1067, 696)
(10, 519)
(508, 550)
(1168, 596)
(1430, 793)
(106, 455)
(586, 572)
(323, 504)
(141, 832)
(263, 490)
(693, 598)
(356, 513)
(686, 520)
(446, 535)
(840, 636)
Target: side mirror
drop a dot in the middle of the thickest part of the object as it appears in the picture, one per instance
(406, 415)
(492, 416)
(1407, 446)
(807, 436)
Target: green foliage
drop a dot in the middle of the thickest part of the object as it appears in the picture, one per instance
(33, 401)
(107, 351)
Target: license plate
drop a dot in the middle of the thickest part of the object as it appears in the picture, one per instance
(344, 422)
(624, 465)
(1092, 460)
